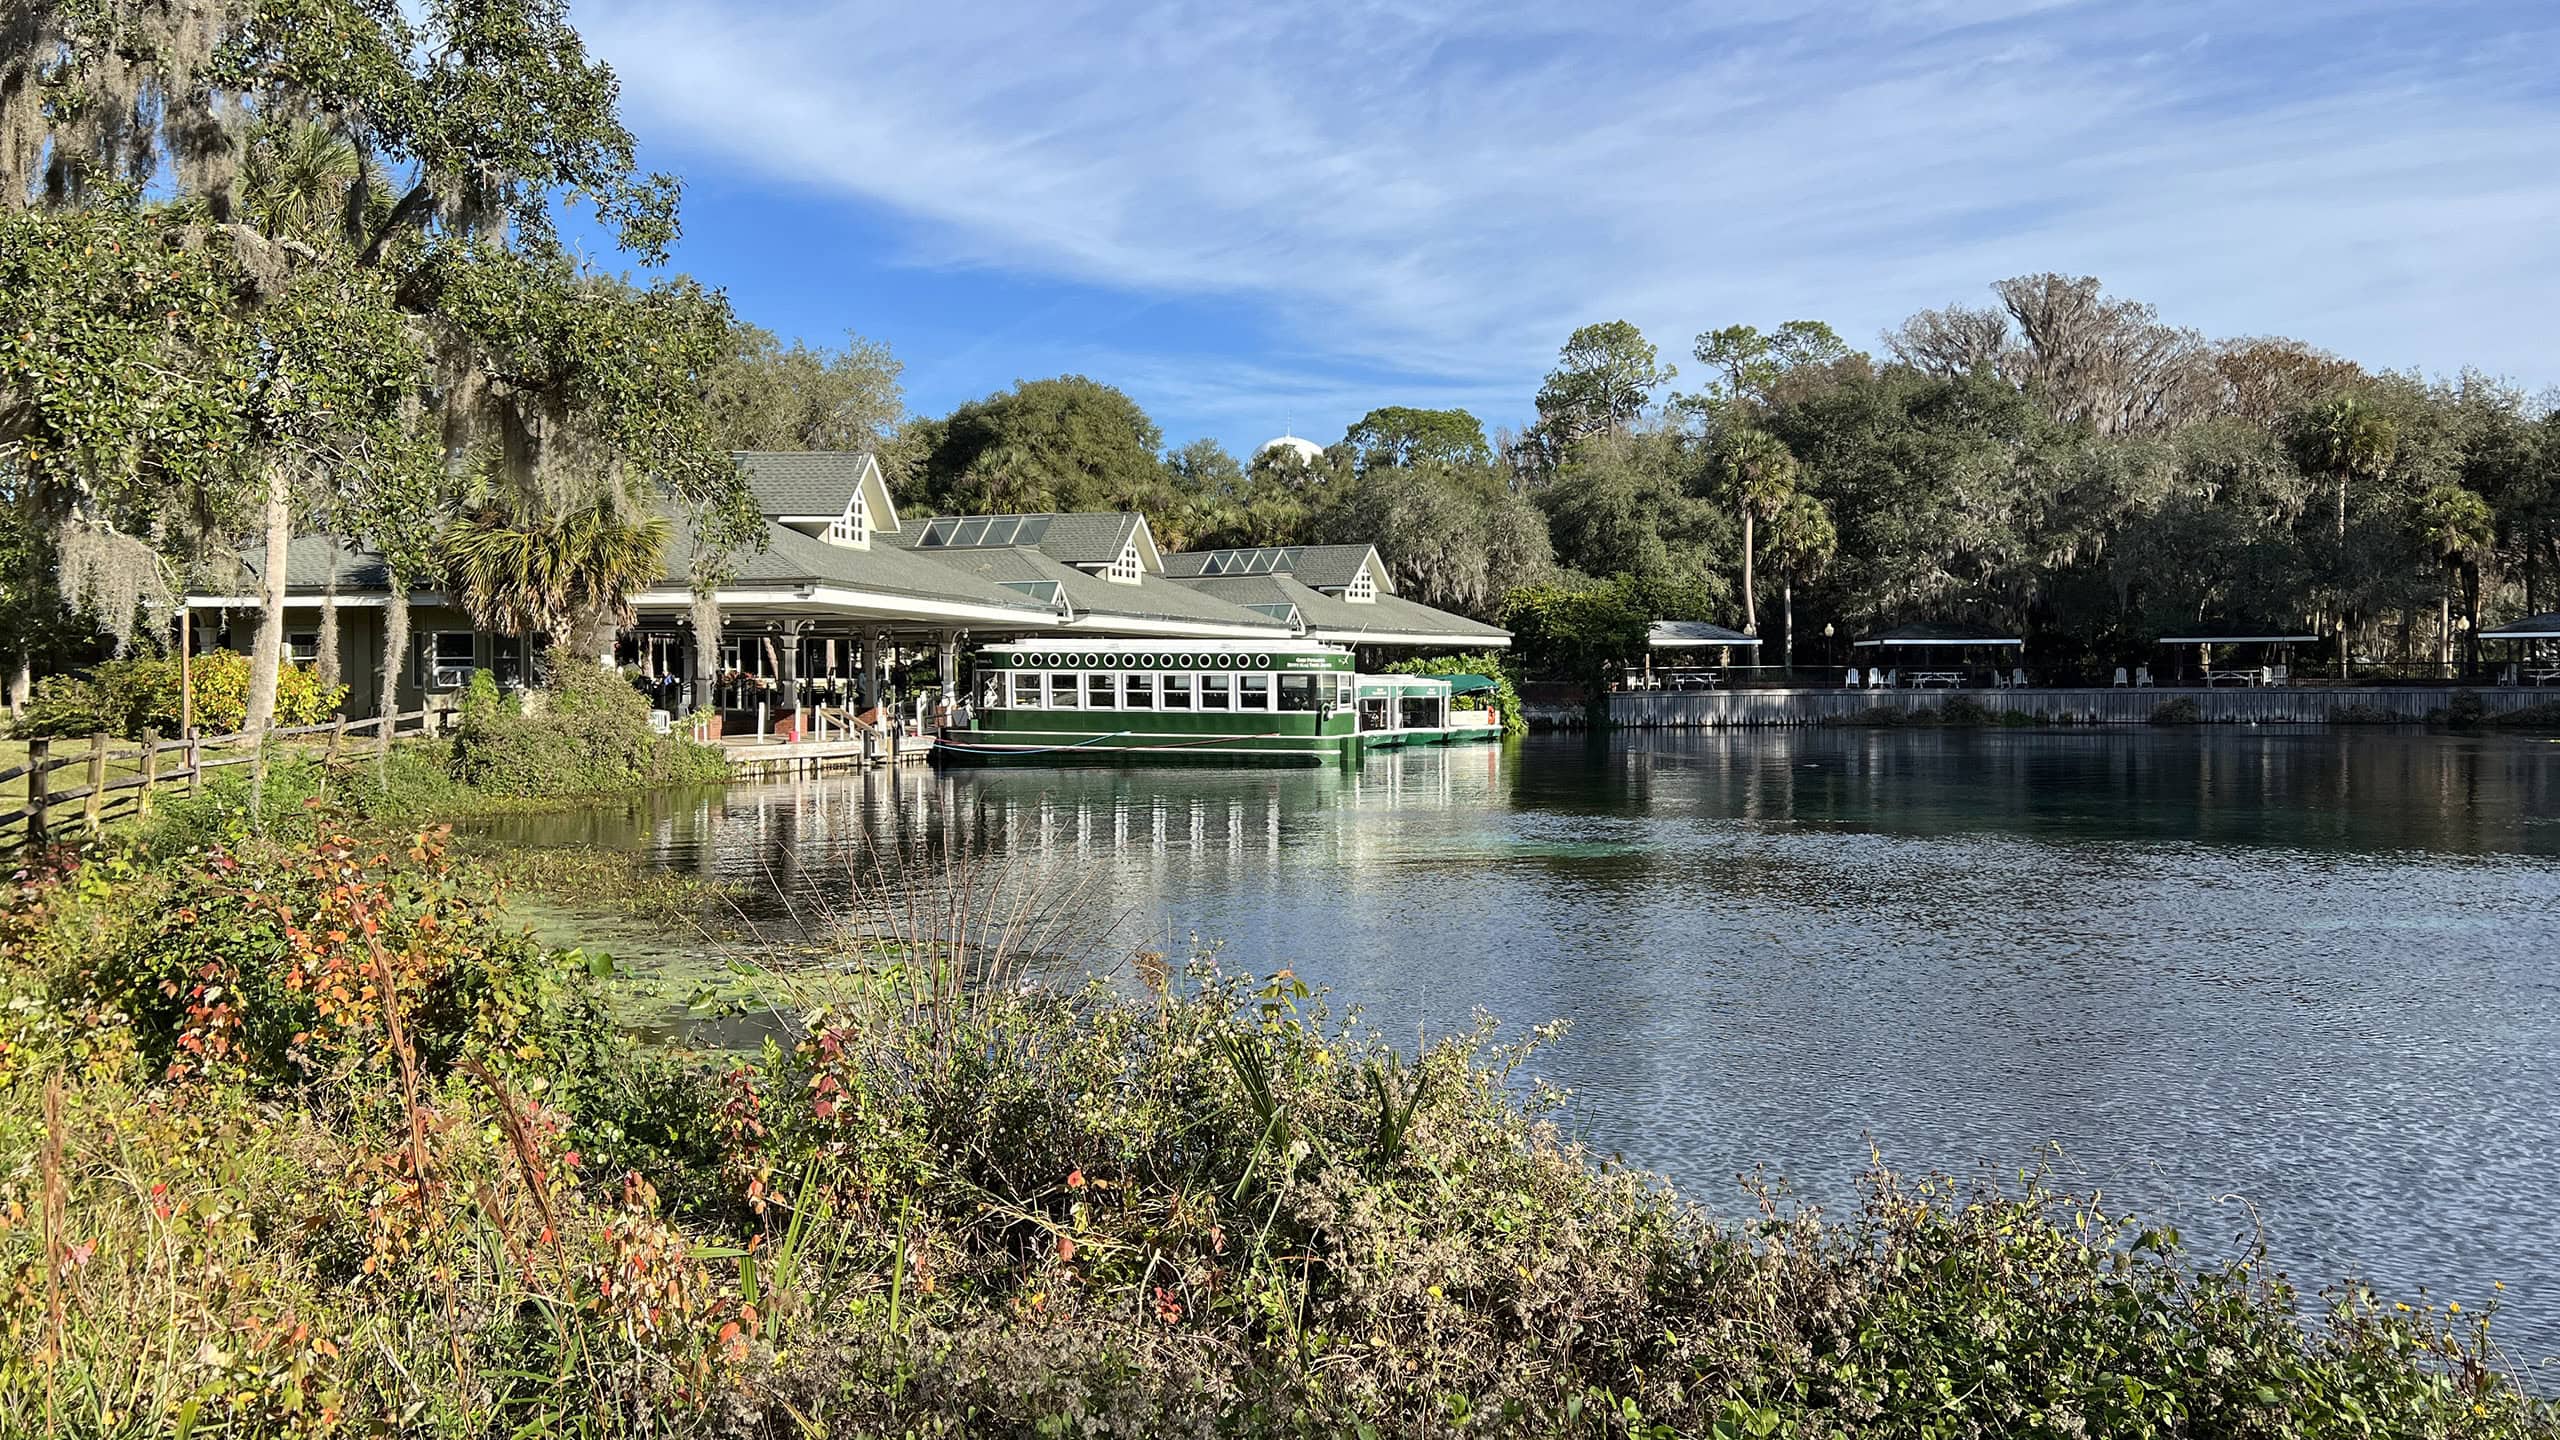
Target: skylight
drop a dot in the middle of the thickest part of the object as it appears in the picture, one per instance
(982, 532)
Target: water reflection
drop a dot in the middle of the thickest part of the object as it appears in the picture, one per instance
(2311, 969)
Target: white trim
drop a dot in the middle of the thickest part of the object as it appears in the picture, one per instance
(1381, 637)
(1093, 620)
(832, 597)
(362, 600)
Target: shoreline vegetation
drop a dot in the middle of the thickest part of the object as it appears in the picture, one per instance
(301, 1135)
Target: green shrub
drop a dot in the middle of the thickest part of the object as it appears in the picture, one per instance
(585, 732)
(2180, 711)
(1965, 710)
(2545, 716)
(126, 697)
(959, 1206)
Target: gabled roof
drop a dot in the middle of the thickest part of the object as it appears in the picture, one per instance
(1324, 567)
(1079, 538)
(307, 562)
(1387, 620)
(790, 559)
(804, 484)
(1094, 601)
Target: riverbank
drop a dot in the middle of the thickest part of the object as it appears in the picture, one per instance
(2278, 705)
(303, 1138)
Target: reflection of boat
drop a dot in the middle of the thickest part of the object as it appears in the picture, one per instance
(1399, 710)
(1049, 702)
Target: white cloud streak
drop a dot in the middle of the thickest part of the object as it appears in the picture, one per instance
(1441, 190)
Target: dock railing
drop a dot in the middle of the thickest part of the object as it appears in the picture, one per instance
(113, 779)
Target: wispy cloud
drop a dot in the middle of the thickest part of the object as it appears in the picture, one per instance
(1440, 190)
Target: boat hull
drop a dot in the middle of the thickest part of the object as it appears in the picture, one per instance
(1022, 745)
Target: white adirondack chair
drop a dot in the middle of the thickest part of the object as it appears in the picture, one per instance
(2121, 681)
(2018, 678)
(1854, 681)
(2141, 677)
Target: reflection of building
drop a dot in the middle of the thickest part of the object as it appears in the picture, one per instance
(837, 582)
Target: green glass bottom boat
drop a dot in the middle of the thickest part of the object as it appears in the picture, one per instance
(1403, 710)
(1156, 703)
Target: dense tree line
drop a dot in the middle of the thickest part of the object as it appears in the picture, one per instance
(2061, 462)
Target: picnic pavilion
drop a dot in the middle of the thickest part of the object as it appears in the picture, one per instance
(2249, 654)
(2537, 652)
(1680, 643)
(1939, 653)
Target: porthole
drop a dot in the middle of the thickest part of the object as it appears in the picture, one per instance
(1092, 661)
(1187, 661)
(1056, 660)
(1261, 662)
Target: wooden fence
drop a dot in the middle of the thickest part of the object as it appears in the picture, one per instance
(118, 778)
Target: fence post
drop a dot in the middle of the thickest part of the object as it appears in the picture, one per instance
(337, 740)
(195, 764)
(91, 802)
(150, 771)
(39, 769)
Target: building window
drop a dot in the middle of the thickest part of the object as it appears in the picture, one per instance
(853, 527)
(1141, 691)
(1362, 588)
(446, 660)
(1062, 690)
(1026, 690)
(1298, 693)
(1177, 692)
(302, 647)
(1216, 692)
(1102, 691)
(1126, 569)
(1253, 692)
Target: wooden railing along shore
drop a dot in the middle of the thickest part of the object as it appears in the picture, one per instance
(118, 778)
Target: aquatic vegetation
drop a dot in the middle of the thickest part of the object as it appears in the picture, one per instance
(301, 1139)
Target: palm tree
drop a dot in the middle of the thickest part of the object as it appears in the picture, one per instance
(1802, 541)
(2457, 526)
(1759, 475)
(2344, 441)
(304, 182)
(567, 579)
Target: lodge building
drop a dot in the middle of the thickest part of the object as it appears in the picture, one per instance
(843, 589)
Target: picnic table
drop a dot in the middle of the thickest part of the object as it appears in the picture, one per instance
(2249, 676)
(2541, 677)
(1923, 679)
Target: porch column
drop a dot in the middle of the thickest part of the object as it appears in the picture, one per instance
(870, 669)
(946, 666)
(788, 659)
(697, 687)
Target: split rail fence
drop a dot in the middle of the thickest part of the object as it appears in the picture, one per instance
(112, 779)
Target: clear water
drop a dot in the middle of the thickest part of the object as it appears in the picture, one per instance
(2308, 976)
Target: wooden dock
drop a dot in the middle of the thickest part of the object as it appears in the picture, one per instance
(2279, 705)
(800, 759)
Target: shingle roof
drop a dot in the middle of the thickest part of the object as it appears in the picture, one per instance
(1325, 567)
(811, 482)
(790, 558)
(1153, 598)
(2532, 627)
(1682, 634)
(1331, 616)
(307, 561)
(1079, 538)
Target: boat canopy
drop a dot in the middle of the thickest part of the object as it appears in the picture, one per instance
(2538, 627)
(1468, 684)
(1694, 635)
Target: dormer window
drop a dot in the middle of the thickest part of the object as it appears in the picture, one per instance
(853, 527)
(1362, 588)
(1126, 569)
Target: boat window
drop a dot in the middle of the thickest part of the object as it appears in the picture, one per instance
(1253, 692)
(1216, 692)
(1062, 690)
(1374, 714)
(1026, 690)
(1177, 691)
(1102, 691)
(1141, 691)
(1298, 692)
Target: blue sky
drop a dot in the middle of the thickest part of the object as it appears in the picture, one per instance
(1251, 215)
